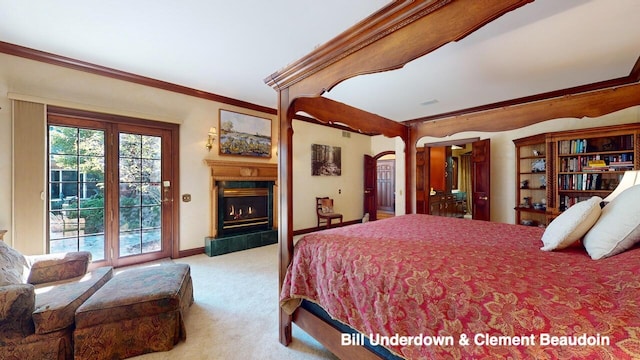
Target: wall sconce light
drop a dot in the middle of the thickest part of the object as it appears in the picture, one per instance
(211, 138)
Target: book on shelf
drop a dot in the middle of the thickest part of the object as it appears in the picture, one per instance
(596, 163)
(576, 146)
(580, 182)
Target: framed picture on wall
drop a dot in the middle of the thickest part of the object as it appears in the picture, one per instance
(244, 135)
(326, 160)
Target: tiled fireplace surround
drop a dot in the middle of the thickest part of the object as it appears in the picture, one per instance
(240, 175)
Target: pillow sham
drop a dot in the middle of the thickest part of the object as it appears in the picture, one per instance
(618, 228)
(571, 225)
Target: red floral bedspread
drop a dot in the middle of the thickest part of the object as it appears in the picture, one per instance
(421, 278)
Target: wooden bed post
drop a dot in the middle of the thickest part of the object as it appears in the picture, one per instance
(388, 39)
(285, 182)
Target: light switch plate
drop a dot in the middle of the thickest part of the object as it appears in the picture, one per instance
(186, 197)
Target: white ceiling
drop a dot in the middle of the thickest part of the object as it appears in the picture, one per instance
(230, 47)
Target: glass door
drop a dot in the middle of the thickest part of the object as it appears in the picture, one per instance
(77, 190)
(110, 190)
(141, 194)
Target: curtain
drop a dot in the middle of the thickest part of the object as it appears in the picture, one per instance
(29, 177)
(465, 180)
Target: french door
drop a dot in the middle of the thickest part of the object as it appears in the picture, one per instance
(110, 190)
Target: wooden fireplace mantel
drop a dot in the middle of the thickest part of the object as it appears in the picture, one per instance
(224, 170)
(238, 171)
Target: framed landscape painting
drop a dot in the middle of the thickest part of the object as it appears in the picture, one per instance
(244, 135)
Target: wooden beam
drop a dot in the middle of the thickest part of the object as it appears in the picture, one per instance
(633, 77)
(590, 104)
(331, 112)
(399, 33)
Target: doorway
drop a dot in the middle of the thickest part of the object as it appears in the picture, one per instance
(379, 185)
(386, 186)
(453, 177)
(110, 189)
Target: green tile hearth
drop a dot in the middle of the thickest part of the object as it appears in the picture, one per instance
(224, 245)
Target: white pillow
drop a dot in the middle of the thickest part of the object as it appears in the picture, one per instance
(571, 225)
(618, 228)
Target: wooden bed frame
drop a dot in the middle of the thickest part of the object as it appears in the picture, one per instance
(387, 40)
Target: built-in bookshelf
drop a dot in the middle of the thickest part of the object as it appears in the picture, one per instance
(593, 164)
(531, 174)
(579, 164)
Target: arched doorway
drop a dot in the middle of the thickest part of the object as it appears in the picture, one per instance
(380, 185)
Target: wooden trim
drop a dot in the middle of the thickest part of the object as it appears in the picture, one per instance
(314, 229)
(87, 67)
(189, 252)
(242, 171)
(452, 142)
(591, 104)
(632, 78)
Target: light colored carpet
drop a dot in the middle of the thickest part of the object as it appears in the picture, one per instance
(235, 314)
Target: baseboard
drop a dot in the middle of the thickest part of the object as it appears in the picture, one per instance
(190, 252)
(314, 229)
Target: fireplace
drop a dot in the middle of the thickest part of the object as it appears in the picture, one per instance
(244, 207)
(243, 211)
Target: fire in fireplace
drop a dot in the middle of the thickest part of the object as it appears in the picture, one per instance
(244, 210)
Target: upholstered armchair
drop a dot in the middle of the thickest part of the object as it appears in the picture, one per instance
(38, 299)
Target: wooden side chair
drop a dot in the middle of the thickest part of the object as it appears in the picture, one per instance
(324, 209)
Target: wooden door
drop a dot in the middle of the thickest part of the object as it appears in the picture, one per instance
(370, 185)
(423, 172)
(386, 172)
(480, 159)
(437, 168)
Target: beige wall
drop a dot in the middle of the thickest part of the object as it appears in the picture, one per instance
(60, 86)
(40, 82)
(346, 190)
(503, 154)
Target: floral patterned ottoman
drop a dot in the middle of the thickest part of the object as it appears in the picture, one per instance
(139, 311)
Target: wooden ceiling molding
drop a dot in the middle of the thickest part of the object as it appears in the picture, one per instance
(388, 39)
(633, 77)
(587, 104)
(87, 67)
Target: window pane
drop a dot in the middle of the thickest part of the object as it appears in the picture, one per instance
(129, 218)
(151, 147)
(92, 220)
(151, 194)
(130, 243)
(151, 170)
(63, 140)
(129, 194)
(130, 170)
(64, 164)
(130, 145)
(91, 142)
(151, 216)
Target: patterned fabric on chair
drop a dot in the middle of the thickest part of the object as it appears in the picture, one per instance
(38, 299)
(325, 212)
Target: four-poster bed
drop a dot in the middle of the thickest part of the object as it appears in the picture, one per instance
(389, 39)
